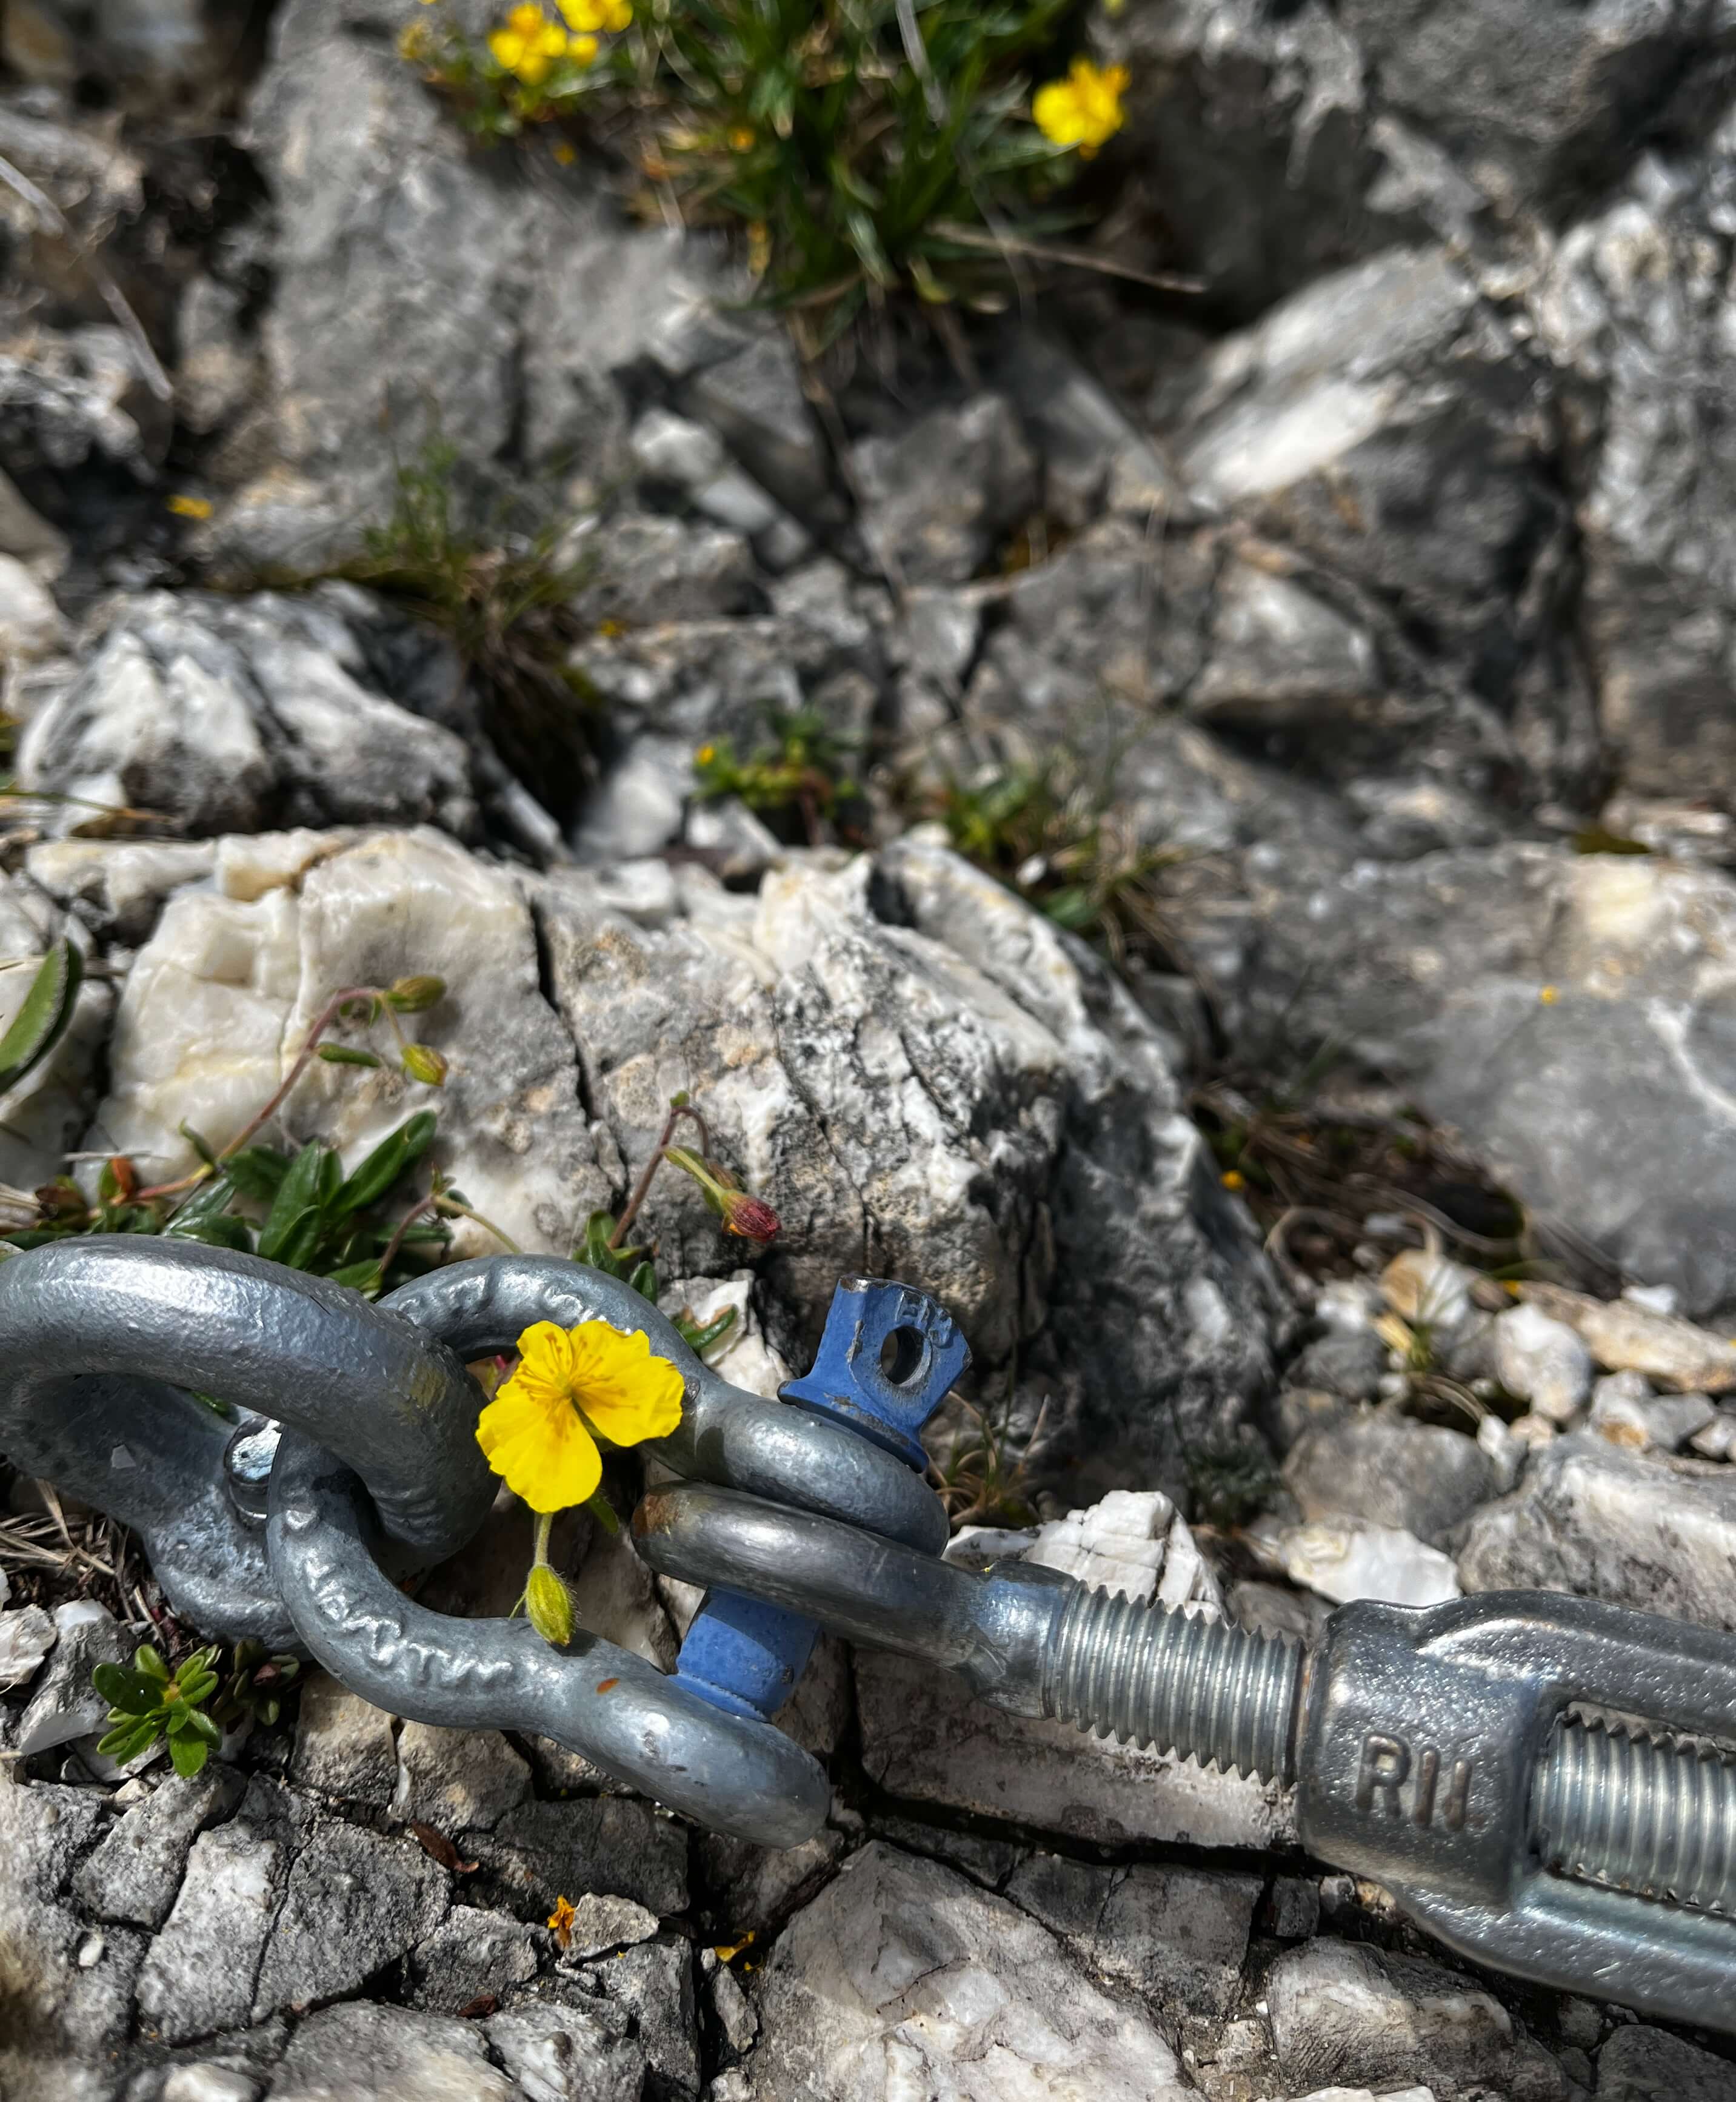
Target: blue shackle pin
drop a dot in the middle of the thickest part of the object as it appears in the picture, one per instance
(888, 1358)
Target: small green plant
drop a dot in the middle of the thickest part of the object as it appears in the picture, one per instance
(869, 150)
(1053, 836)
(314, 1218)
(978, 1477)
(149, 1704)
(1232, 1480)
(255, 1686)
(504, 597)
(798, 781)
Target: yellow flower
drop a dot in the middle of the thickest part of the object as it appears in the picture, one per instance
(560, 1921)
(589, 15)
(1233, 1178)
(190, 507)
(572, 1386)
(741, 140)
(1084, 110)
(1548, 994)
(704, 755)
(527, 43)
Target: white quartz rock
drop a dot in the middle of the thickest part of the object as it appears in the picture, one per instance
(1542, 1362)
(1349, 1559)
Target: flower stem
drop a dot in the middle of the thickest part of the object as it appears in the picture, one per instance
(641, 1187)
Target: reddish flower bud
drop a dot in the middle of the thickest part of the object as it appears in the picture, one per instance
(749, 1216)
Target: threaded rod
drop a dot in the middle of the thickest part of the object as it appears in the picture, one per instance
(1182, 1682)
(1647, 1815)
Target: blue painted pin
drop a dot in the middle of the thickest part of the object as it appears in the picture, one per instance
(888, 1358)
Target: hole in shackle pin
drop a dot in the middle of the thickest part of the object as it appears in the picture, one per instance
(902, 1355)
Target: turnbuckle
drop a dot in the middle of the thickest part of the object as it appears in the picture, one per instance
(1527, 1774)
(1538, 1780)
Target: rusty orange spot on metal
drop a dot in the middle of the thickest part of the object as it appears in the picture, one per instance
(604, 1685)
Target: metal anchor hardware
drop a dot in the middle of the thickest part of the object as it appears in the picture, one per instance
(1467, 1756)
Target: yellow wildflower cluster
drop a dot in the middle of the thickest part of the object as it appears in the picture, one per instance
(527, 43)
(1083, 110)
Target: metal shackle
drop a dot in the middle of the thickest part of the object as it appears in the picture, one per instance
(105, 1339)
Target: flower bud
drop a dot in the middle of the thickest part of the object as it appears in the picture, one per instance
(423, 1062)
(414, 996)
(749, 1216)
(548, 1605)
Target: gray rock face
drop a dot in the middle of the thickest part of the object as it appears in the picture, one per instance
(202, 1968)
(236, 715)
(1345, 2016)
(367, 2053)
(940, 496)
(59, 2012)
(457, 1779)
(556, 2052)
(1608, 1523)
(353, 1902)
(880, 1048)
(547, 1850)
(1566, 1012)
(134, 1873)
(1178, 1936)
(249, 964)
(1422, 1477)
(1643, 2064)
(1630, 307)
(344, 1747)
(62, 1703)
(903, 1977)
(470, 1954)
(647, 1992)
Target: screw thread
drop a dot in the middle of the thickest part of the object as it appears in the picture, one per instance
(1646, 1813)
(1183, 1682)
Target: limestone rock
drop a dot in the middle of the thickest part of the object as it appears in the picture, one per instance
(1350, 1558)
(221, 999)
(941, 496)
(1595, 1520)
(902, 1976)
(557, 2052)
(1178, 1936)
(40, 1113)
(647, 1992)
(470, 1954)
(1347, 2015)
(27, 1635)
(925, 1738)
(364, 2052)
(895, 1040)
(136, 1873)
(344, 1747)
(239, 715)
(1639, 2064)
(1422, 1477)
(1541, 1362)
(455, 1779)
(62, 1703)
(621, 1848)
(204, 1963)
(1625, 1411)
(353, 1902)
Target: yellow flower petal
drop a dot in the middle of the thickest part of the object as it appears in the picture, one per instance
(506, 47)
(584, 15)
(618, 14)
(582, 50)
(527, 18)
(538, 1446)
(626, 1394)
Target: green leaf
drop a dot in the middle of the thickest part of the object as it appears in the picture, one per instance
(298, 1199)
(643, 1280)
(701, 1339)
(205, 1726)
(388, 1161)
(200, 1145)
(224, 1231)
(131, 1693)
(1074, 908)
(604, 1512)
(362, 1277)
(189, 1753)
(40, 1022)
(346, 1054)
(149, 1663)
(257, 1172)
(124, 1743)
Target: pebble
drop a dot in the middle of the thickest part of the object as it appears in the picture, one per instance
(1348, 1558)
(1542, 1361)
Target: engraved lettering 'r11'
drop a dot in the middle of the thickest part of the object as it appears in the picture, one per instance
(1387, 1765)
